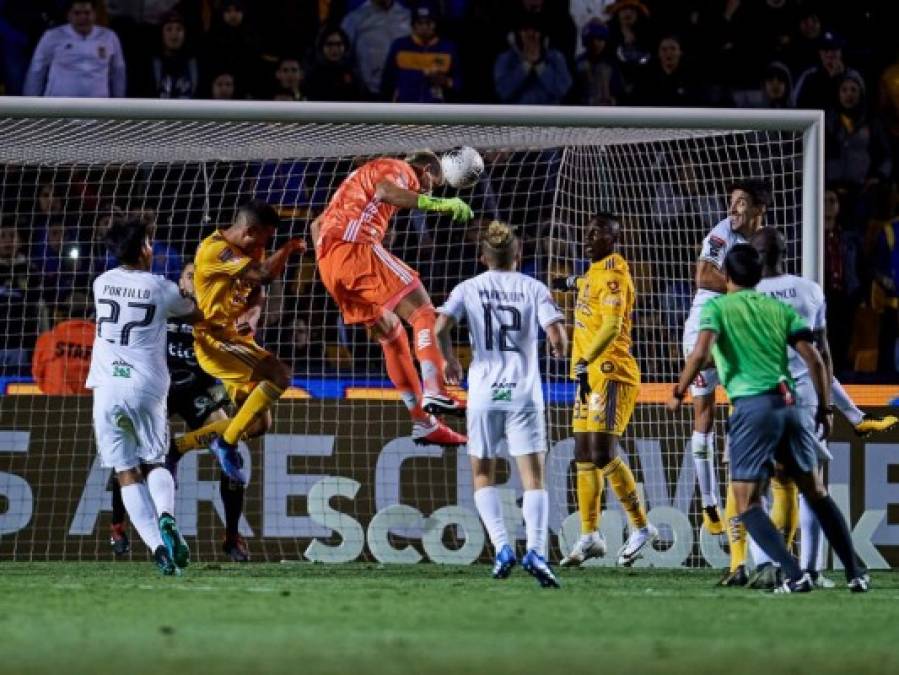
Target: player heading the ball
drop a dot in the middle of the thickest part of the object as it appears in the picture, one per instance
(373, 287)
(505, 310)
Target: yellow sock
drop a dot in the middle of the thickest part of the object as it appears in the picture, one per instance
(259, 400)
(600, 485)
(785, 508)
(589, 490)
(201, 437)
(736, 532)
(621, 478)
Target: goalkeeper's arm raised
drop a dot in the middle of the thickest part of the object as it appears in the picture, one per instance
(393, 194)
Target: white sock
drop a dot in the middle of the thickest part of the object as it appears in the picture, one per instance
(491, 511)
(844, 404)
(162, 488)
(535, 508)
(142, 512)
(703, 448)
(811, 538)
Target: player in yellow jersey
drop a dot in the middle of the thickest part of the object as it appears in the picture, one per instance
(230, 270)
(608, 383)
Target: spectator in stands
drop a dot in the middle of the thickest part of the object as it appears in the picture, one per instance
(175, 73)
(775, 92)
(331, 77)
(817, 86)
(529, 72)
(19, 301)
(78, 59)
(555, 22)
(631, 38)
(597, 76)
(223, 87)
(584, 12)
(62, 355)
(21, 23)
(668, 81)
(802, 53)
(289, 79)
(422, 67)
(56, 254)
(372, 29)
(296, 347)
(856, 147)
(231, 45)
(842, 287)
(889, 111)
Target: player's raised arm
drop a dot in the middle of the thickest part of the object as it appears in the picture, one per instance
(429, 171)
(262, 273)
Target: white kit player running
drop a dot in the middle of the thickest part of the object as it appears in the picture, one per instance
(749, 200)
(504, 311)
(807, 298)
(130, 382)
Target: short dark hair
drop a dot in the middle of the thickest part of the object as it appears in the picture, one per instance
(259, 212)
(758, 189)
(425, 159)
(126, 236)
(770, 245)
(69, 3)
(743, 265)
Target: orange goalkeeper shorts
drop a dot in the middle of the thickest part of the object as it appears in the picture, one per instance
(364, 279)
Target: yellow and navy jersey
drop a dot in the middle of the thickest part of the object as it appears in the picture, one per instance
(221, 294)
(606, 289)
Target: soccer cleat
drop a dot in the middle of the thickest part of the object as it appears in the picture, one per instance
(734, 579)
(534, 564)
(803, 584)
(591, 545)
(235, 548)
(711, 520)
(173, 540)
(630, 552)
(442, 404)
(436, 433)
(870, 425)
(118, 539)
(858, 585)
(164, 562)
(504, 562)
(766, 577)
(229, 459)
(819, 580)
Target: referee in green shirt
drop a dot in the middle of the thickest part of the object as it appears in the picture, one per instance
(747, 333)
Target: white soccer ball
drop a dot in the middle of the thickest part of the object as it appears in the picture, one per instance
(462, 167)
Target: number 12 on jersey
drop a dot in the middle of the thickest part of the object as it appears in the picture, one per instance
(514, 325)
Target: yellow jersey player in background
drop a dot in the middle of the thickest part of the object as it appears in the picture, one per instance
(608, 383)
(230, 270)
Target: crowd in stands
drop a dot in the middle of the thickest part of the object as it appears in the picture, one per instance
(836, 56)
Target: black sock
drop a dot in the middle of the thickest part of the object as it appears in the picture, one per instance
(118, 506)
(232, 499)
(837, 532)
(762, 530)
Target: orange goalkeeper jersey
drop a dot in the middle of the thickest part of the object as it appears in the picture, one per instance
(62, 358)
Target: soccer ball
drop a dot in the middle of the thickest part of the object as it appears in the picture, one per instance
(462, 167)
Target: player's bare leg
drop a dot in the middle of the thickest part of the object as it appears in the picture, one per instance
(417, 310)
(702, 445)
(388, 330)
(486, 499)
(590, 482)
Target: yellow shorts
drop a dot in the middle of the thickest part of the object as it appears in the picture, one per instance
(608, 410)
(231, 359)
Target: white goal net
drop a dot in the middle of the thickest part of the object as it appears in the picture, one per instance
(338, 478)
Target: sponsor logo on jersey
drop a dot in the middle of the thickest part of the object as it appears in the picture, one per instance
(226, 254)
(715, 245)
(121, 369)
(502, 391)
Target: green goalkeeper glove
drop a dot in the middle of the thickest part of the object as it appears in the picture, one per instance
(453, 205)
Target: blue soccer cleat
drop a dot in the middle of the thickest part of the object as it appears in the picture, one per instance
(173, 540)
(164, 562)
(534, 564)
(229, 459)
(505, 561)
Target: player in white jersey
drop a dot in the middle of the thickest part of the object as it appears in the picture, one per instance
(807, 298)
(130, 381)
(505, 310)
(749, 200)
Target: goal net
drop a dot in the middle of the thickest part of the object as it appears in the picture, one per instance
(338, 478)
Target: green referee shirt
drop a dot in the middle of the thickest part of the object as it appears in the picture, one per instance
(750, 350)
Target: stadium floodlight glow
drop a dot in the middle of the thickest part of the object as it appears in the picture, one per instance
(665, 171)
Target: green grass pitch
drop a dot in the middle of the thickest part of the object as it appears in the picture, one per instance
(124, 618)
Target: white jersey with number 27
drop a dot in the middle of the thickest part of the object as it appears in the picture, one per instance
(504, 311)
(133, 308)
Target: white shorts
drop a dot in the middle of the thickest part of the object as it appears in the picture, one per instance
(707, 379)
(519, 432)
(131, 427)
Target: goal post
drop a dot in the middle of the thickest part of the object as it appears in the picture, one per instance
(338, 478)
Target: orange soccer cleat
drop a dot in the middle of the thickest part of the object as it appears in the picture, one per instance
(436, 433)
